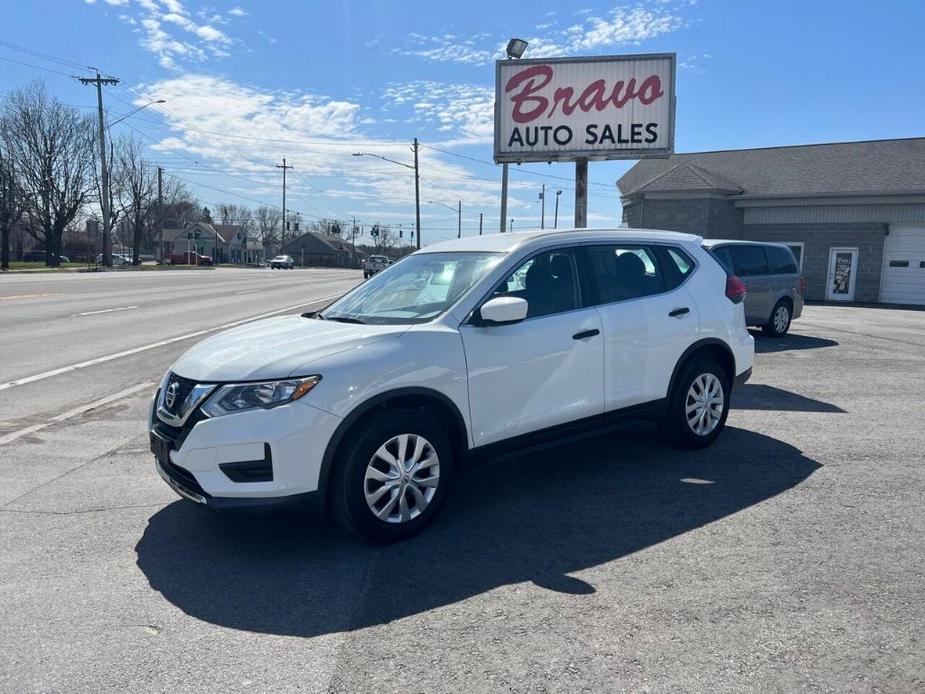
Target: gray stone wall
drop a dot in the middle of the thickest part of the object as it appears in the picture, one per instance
(708, 217)
(818, 240)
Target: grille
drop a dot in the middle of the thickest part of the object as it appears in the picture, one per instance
(185, 385)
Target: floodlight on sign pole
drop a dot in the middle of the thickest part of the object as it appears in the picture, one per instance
(515, 48)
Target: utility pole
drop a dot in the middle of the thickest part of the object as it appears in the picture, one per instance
(581, 193)
(284, 167)
(160, 214)
(503, 195)
(555, 221)
(543, 208)
(99, 81)
(459, 221)
(480, 223)
(417, 196)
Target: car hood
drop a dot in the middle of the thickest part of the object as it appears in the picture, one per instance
(275, 348)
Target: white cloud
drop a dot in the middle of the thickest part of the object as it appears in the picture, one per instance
(464, 111)
(168, 31)
(237, 12)
(237, 127)
(623, 25)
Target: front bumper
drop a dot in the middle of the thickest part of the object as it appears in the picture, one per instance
(198, 460)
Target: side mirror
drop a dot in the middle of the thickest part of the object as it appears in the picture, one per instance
(502, 310)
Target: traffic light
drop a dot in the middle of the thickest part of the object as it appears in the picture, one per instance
(401, 233)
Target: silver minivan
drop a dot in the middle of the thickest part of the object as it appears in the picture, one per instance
(772, 280)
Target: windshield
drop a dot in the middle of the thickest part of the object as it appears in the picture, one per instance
(416, 290)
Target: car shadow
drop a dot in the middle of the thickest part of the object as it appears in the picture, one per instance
(789, 343)
(757, 396)
(535, 518)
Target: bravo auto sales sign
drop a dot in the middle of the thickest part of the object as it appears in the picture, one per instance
(613, 107)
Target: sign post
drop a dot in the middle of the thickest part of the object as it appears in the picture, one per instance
(583, 109)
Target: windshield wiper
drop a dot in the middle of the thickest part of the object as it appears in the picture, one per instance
(345, 319)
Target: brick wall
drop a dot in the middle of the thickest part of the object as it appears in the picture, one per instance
(708, 217)
(818, 240)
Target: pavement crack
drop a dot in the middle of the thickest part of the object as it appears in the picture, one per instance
(39, 512)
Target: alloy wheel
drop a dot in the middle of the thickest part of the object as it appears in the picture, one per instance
(704, 404)
(781, 319)
(401, 478)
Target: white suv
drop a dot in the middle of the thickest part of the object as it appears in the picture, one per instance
(467, 347)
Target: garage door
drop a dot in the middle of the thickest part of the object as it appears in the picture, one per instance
(904, 266)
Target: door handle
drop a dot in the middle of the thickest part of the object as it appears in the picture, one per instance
(679, 312)
(586, 334)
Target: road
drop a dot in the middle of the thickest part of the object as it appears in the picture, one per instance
(786, 557)
(65, 334)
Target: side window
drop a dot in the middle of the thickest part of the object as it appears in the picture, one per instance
(548, 281)
(624, 272)
(750, 261)
(724, 255)
(677, 266)
(781, 261)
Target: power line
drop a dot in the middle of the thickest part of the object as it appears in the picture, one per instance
(36, 67)
(44, 56)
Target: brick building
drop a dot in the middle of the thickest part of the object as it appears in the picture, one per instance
(861, 201)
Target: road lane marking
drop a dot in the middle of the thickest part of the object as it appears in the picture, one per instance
(155, 345)
(105, 310)
(76, 411)
(25, 296)
(248, 291)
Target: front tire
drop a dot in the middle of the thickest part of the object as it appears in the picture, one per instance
(699, 405)
(393, 476)
(779, 323)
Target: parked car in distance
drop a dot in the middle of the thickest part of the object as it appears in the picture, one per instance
(118, 260)
(283, 262)
(39, 257)
(374, 264)
(466, 348)
(189, 258)
(772, 278)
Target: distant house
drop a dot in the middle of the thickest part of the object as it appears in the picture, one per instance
(315, 250)
(225, 243)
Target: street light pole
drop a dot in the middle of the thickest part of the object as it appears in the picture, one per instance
(459, 221)
(417, 183)
(555, 222)
(543, 208)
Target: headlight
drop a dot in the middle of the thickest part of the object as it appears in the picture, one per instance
(237, 397)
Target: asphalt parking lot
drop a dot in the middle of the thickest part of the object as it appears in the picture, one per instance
(787, 557)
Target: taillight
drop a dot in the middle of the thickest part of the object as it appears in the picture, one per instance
(735, 289)
(802, 286)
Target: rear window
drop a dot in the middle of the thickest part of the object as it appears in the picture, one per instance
(724, 255)
(781, 261)
(750, 260)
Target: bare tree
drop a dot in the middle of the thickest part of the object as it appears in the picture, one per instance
(136, 186)
(11, 204)
(267, 221)
(51, 149)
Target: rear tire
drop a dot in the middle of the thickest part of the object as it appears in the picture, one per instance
(392, 476)
(698, 405)
(779, 323)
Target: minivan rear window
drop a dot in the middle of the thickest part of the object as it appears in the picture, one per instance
(724, 255)
(781, 260)
(750, 260)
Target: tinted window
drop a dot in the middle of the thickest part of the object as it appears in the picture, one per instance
(624, 272)
(750, 260)
(724, 255)
(781, 261)
(676, 264)
(548, 281)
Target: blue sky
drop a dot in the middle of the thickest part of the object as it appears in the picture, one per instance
(247, 83)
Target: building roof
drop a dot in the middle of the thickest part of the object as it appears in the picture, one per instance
(315, 244)
(871, 167)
